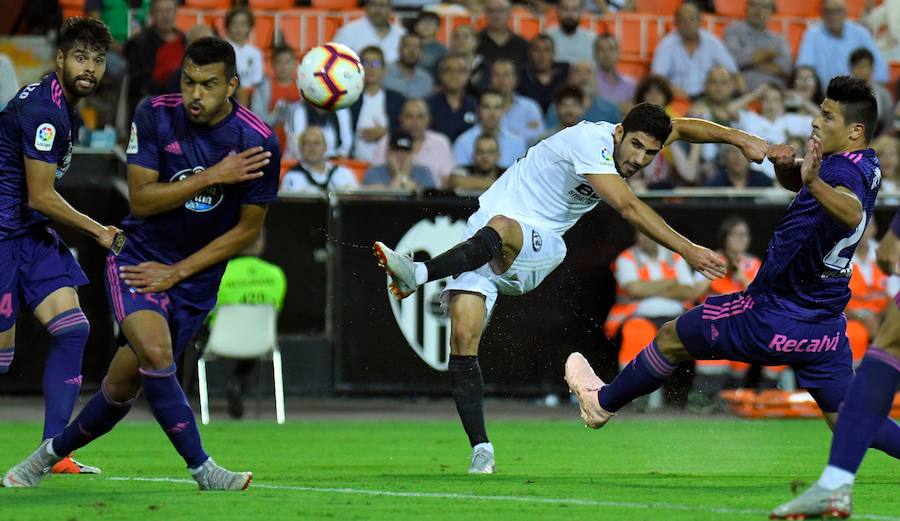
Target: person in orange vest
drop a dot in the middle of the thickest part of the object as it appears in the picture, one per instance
(271, 98)
(868, 294)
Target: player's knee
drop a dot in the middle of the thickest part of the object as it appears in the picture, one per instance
(121, 389)
(502, 225)
(464, 341)
(669, 344)
(156, 357)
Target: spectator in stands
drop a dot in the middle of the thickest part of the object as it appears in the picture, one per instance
(861, 62)
(772, 123)
(868, 293)
(607, 7)
(464, 42)
(496, 41)
(884, 22)
(406, 76)
(377, 111)
(596, 108)
(239, 23)
(490, 123)
(374, 28)
(762, 55)
(826, 47)
(430, 149)
(804, 93)
(399, 171)
(248, 280)
(270, 101)
(452, 108)
(9, 83)
(686, 54)
(734, 172)
(313, 173)
(483, 171)
(522, 115)
(887, 148)
(426, 26)
(611, 84)
(337, 127)
(154, 54)
(714, 105)
(173, 86)
(570, 106)
(542, 76)
(572, 42)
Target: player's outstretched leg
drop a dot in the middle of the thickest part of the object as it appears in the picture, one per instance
(485, 245)
(467, 318)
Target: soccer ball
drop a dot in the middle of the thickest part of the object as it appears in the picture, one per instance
(330, 76)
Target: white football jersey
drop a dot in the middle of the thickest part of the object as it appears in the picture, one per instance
(547, 187)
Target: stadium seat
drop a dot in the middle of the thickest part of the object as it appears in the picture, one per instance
(859, 339)
(855, 8)
(894, 72)
(263, 31)
(801, 8)
(302, 31)
(209, 4)
(633, 66)
(271, 4)
(525, 23)
(187, 18)
(243, 332)
(335, 5)
(658, 7)
(731, 8)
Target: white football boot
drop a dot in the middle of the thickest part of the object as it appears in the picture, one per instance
(817, 502)
(213, 477)
(401, 268)
(33, 469)
(482, 459)
(585, 384)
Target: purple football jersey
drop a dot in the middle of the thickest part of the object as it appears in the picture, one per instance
(807, 266)
(37, 124)
(164, 140)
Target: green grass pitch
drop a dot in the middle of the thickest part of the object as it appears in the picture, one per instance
(637, 468)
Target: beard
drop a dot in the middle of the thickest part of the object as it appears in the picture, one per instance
(568, 26)
(74, 87)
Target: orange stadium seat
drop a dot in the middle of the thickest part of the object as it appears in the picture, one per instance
(335, 5)
(894, 71)
(263, 31)
(804, 8)
(304, 32)
(660, 7)
(715, 24)
(633, 66)
(731, 8)
(209, 4)
(859, 339)
(855, 8)
(271, 4)
(525, 23)
(187, 18)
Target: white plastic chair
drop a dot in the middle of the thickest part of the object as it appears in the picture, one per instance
(243, 331)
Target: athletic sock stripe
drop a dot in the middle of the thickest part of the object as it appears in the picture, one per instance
(158, 373)
(657, 362)
(877, 354)
(78, 321)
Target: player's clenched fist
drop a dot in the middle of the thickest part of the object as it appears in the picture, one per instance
(706, 262)
(782, 156)
(239, 167)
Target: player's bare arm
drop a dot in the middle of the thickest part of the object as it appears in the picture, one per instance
(153, 277)
(648, 288)
(787, 167)
(839, 202)
(43, 197)
(147, 196)
(617, 194)
(695, 130)
(888, 253)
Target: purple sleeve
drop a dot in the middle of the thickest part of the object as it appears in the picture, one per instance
(143, 146)
(839, 171)
(895, 224)
(264, 190)
(45, 132)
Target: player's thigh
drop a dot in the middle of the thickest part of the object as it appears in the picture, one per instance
(123, 380)
(888, 337)
(670, 344)
(510, 232)
(8, 337)
(63, 299)
(149, 336)
(468, 313)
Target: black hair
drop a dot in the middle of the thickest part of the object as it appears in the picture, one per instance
(91, 33)
(447, 57)
(210, 49)
(543, 37)
(240, 9)
(283, 49)
(487, 136)
(861, 54)
(372, 48)
(424, 15)
(818, 95)
(650, 119)
(487, 92)
(569, 92)
(857, 101)
(651, 81)
(725, 228)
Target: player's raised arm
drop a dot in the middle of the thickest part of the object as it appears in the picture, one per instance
(787, 167)
(695, 130)
(839, 202)
(618, 194)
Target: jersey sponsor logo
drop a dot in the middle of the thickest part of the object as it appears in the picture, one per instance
(204, 201)
(44, 136)
(584, 193)
(536, 241)
(132, 141)
(423, 323)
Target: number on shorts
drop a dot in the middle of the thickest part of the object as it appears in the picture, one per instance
(6, 308)
(834, 260)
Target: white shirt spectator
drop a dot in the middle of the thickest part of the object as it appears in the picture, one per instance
(829, 55)
(778, 131)
(334, 177)
(249, 61)
(435, 154)
(688, 71)
(338, 131)
(9, 84)
(372, 113)
(524, 118)
(571, 48)
(627, 272)
(511, 146)
(360, 33)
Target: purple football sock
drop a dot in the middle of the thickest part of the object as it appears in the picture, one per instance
(174, 414)
(6, 358)
(62, 374)
(645, 374)
(863, 419)
(98, 417)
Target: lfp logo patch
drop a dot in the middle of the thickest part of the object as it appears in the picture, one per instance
(43, 138)
(605, 155)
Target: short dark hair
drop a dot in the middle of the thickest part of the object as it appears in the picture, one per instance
(488, 92)
(652, 81)
(861, 54)
(857, 101)
(490, 137)
(818, 96)
(239, 9)
(91, 33)
(543, 37)
(447, 57)
(727, 225)
(569, 92)
(426, 15)
(282, 49)
(650, 119)
(209, 50)
(372, 48)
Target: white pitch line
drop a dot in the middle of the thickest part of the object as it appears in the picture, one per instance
(519, 499)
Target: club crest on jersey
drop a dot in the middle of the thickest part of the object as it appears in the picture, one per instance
(536, 241)
(605, 155)
(132, 141)
(204, 201)
(43, 138)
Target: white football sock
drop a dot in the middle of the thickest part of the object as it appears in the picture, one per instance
(421, 273)
(834, 478)
(50, 450)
